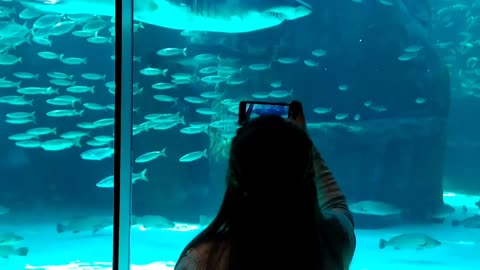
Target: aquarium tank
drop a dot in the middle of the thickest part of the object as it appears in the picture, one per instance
(390, 90)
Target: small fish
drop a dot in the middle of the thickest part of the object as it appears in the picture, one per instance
(96, 143)
(288, 60)
(322, 110)
(211, 94)
(104, 138)
(149, 71)
(20, 121)
(163, 86)
(343, 87)
(407, 56)
(172, 51)
(37, 91)
(83, 33)
(97, 153)
(341, 116)
(386, 2)
(64, 101)
(99, 39)
(21, 114)
(420, 100)
(86, 125)
(61, 82)
(206, 111)
(276, 84)
(94, 106)
(26, 75)
(280, 93)
(194, 130)
(193, 156)
(64, 113)
(108, 182)
(72, 135)
(319, 53)
(9, 59)
(374, 208)
(93, 76)
(478, 204)
(59, 75)
(223, 123)
(21, 137)
(72, 60)
(59, 144)
(182, 76)
(259, 67)
(368, 103)
(29, 144)
(9, 84)
(311, 63)
(166, 98)
(213, 79)
(151, 156)
(81, 89)
(416, 241)
(261, 95)
(195, 100)
(104, 122)
(48, 55)
(413, 48)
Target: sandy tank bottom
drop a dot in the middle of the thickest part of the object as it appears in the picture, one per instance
(159, 249)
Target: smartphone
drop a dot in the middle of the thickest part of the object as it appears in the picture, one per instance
(252, 109)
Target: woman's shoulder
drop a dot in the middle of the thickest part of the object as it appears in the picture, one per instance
(196, 258)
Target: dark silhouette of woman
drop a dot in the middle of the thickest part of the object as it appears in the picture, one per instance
(282, 208)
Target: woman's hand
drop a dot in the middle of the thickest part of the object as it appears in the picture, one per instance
(298, 117)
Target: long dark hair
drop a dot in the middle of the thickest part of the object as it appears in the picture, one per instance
(269, 215)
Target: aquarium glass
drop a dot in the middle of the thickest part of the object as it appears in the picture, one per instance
(390, 90)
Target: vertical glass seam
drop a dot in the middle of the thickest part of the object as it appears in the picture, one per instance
(123, 133)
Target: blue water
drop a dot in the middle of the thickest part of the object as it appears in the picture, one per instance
(401, 132)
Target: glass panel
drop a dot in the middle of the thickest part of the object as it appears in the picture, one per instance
(376, 91)
(57, 105)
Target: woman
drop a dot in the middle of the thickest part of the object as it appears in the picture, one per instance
(282, 208)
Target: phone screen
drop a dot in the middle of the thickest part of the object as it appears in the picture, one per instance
(253, 109)
(256, 110)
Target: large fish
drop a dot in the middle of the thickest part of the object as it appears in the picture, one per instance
(470, 222)
(374, 208)
(227, 16)
(410, 241)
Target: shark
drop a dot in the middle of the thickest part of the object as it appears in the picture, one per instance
(224, 16)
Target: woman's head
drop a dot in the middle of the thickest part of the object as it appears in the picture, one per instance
(270, 160)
